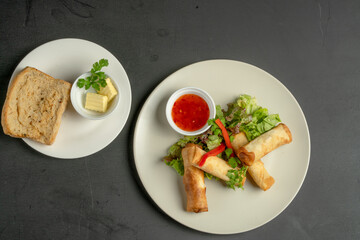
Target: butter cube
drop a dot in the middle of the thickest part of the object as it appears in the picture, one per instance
(96, 102)
(109, 90)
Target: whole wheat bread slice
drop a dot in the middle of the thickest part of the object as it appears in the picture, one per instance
(34, 105)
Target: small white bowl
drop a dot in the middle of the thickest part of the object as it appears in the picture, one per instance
(190, 90)
(78, 98)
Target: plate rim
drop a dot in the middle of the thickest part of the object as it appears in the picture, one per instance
(248, 65)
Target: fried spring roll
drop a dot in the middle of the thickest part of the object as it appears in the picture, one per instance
(260, 176)
(194, 182)
(257, 170)
(240, 140)
(264, 144)
(213, 165)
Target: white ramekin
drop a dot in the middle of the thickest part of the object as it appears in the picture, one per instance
(78, 97)
(189, 90)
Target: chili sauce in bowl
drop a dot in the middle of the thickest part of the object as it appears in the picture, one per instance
(188, 111)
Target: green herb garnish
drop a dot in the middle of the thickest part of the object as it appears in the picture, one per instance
(209, 176)
(97, 78)
(234, 162)
(228, 152)
(236, 177)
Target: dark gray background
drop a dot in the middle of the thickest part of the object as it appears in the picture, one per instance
(312, 47)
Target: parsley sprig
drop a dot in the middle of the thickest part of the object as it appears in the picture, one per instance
(97, 78)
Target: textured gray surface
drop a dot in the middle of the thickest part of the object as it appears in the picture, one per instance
(312, 47)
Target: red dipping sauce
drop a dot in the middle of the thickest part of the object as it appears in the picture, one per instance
(190, 112)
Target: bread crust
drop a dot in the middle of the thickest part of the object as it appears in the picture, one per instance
(5, 109)
(9, 117)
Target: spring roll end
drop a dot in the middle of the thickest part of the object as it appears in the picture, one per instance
(194, 183)
(288, 132)
(196, 197)
(246, 157)
(260, 175)
(267, 183)
(196, 209)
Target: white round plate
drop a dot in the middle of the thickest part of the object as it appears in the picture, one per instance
(67, 59)
(229, 211)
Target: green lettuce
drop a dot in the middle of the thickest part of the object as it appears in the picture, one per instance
(220, 114)
(248, 103)
(213, 141)
(250, 117)
(174, 158)
(261, 123)
(177, 164)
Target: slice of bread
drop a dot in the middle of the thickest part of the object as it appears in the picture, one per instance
(34, 105)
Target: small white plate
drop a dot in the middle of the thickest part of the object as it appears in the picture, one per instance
(229, 211)
(67, 59)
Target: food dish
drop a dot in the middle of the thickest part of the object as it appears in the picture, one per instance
(228, 160)
(165, 187)
(78, 101)
(67, 59)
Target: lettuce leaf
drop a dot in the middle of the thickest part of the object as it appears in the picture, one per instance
(174, 158)
(187, 139)
(260, 124)
(249, 117)
(248, 103)
(259, 115)
(268, 123)
(177, 164)
(174, 151)
(213, 141)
